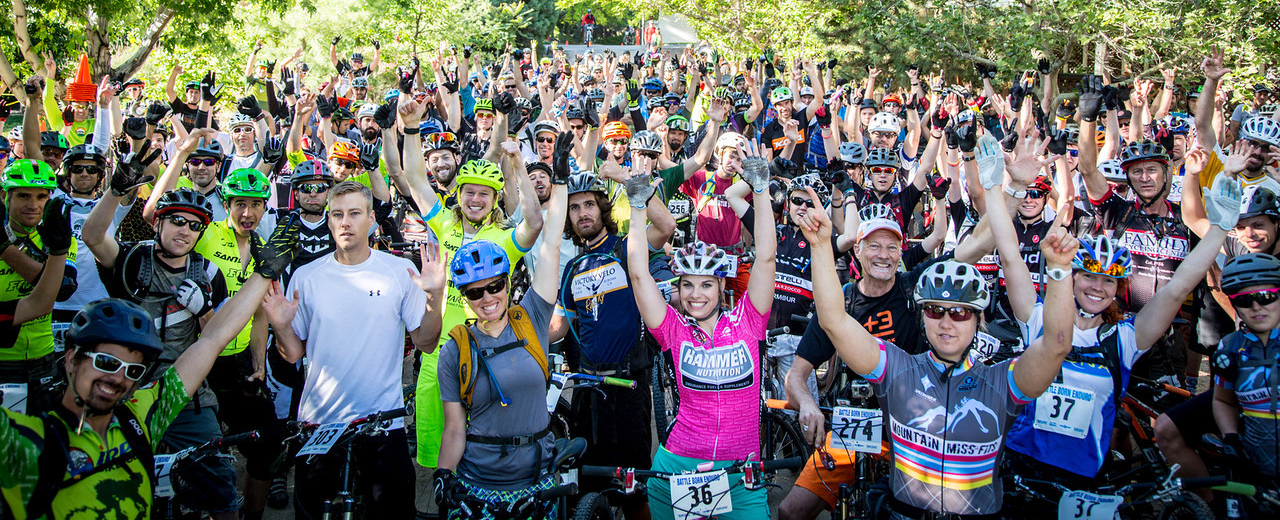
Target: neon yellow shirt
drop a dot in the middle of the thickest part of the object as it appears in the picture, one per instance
(35, 340)
(76, 132)
(218, 244)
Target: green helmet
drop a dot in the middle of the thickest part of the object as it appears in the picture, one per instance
(484, 104)
(29, 173)
(780, 94)
(245, 182)
(481, 172)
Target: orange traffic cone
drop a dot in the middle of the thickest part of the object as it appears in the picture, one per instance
(83, 89)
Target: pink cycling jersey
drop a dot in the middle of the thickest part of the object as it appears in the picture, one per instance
(719, 383)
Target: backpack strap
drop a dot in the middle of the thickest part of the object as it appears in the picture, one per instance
(523, 327)
(466, 368)
(52, 462)
(135, 434)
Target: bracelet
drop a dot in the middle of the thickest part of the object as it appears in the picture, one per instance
(968, 158)
(1057, 274)
(916, 84)
(411, 131)
(1008, 190)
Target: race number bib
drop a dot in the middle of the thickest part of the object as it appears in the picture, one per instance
(323, 439)
(1066, 410)
(1083, 505)
(14, 396)
(554, 390)
(164, 486)
(700, 494)
(856, 429)
(60, 336)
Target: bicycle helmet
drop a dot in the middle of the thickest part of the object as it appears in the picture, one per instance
(438, 141)
(884, 122)
(654, 102)
(355, 56)
(85, 152)
(653, 84)
(238, 120)
(478, 260)
(5, 146)
(1249, 270)
(546, 125)
(481, 172)
(595, 94)
(812, 180)
(15, 134)
(366, 110)
(360, 82)
(429, 126)
(616, 130)
(245, 182)
(208, 148)
(806, 91)
(740, 101)
(881, 157)
(646, 141)
(1112, 171)
(730, 140)
(53, 140)
(1257, 128)
(951, 281)
(524, 103)
(1102, 256)
(1144, 150)
(344, 150)
(193, 85)
(700, 259)
(779, 95)
(185, 199)
(342, 114)
(874, 217)
(585, 181)
(113, 320)
(29, 173)
(393, 93)
(680, 123)
(1177, 125)
(853, 153)
(311, 171)
(891, 98)
(574, 112)
(1073, 133)
(1259, 201)
(484, 104)
(1041, 183)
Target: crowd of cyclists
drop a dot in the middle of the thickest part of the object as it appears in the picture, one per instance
(889, 247)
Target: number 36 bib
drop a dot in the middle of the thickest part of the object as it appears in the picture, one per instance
(1066, 410)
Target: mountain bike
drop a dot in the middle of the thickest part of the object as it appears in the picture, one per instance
(702, 493)
(551, 503)
(318, 440)
(169, 469)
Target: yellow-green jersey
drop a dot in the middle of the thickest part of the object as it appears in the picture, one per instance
(89, 489)
(35, 340)
(76, 132)
(218, 244)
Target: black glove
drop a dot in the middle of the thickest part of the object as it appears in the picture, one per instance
(1091, 97)
(591, 112)
(156, 113)
(504, 103)
(273, 150)
(831, 63)
(1057, 139)
(450, 85)
(343, 66)
(940, 118)
(335, 40)
(782, 167)
(1067, 109)
(326, 106)
(135, 127)
(405, 82)
(633, 93)
(377, 45)
(967, 136)
(824, 116)
(953, 139)
(1010, 139)
(55, 227)
(447, 486)
(209, 88)
(1044, 66)
(1162, 135)
(385, 115)
(515, 123)
(560, 158)
(1017, 95)
(1122, 93)
(249, 106)
(370, 156)
(130, 174)
(834, 174)
(985, 71)
(1233, 447)
(466, 52)
(517, 55)
(287, 78)
(275, 255)
(938, 186)
(271, 68)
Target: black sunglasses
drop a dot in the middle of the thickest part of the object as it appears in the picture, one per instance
(84, 168)
(958, 314)
(346, 164)
(476, 293)
(1260, 297)
(312, 188)
(192, 224)
(545, 139)
(801, 201)
(1035, 194)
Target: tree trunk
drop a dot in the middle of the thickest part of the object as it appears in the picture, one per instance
(1100, 57)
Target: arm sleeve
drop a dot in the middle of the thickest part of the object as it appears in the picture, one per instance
(52, 111)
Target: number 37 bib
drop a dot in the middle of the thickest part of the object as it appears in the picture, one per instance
(1066, 410)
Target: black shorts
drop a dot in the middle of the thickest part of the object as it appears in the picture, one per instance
(1194, 417)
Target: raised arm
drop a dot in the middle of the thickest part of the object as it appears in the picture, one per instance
(546, 279)
(649, 299)
(1193, 213)
(1042, 361)
(169, 179)
(169, 91)
(528, 229)
(1214, 70)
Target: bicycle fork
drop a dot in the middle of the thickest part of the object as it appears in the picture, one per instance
(342, 506)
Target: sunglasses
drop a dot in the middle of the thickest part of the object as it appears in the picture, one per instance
(4, 155)
(1036, 194)
(84, 168)
(510, 87)
(891, 105)
(648, 155)
(345, 164)
(192, 224)
(109, 364)
(1264, 147)
(545, 139)
(484, 115)
(441, 137)
(577, 127)
(1074, 153)
(958, 314)
(207, 161)
(313, 188)
(476, 293)
(242, 130)
(1094, 266)
(883, 169)
(619, 141)
(1245, 300)
(801, 201)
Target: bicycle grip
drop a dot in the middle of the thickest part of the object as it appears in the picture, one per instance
(392, 414)
(775, 465)
(799, 319)
(1239, 488)
(778, 331)
(615, 381)
(249, 436)
(599, 471)
(558, 491)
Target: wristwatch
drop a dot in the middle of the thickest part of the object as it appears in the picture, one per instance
(1057, 274)
(1008, 190)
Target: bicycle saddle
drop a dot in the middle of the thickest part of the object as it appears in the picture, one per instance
(1212, 445)
(568, 452)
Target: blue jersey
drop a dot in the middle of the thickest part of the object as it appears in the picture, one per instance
(1069, 425)
(1247, 368)
(595, 294)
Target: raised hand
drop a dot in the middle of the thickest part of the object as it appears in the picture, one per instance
(276, 253)
(1212, 66)
(434, 275)
(55, 227)
(370, 155)
(560, 157)
(755, 169)
(156, 112)
(385, 115)
(815, 225)
(280, 311)
(1024, 163)
(1091, 97)
(135, 127)
(273, 150)
(209, 88)
(248, 106)
(130, 169)
(1222, 201)
(1044, 66)
(1235, 161)
(640, 183)
(1059, 247)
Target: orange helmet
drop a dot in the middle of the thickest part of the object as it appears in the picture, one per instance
(892, 98)
(616, 130)
(344, 150)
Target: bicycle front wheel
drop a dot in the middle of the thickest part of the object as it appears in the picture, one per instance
(1186, 506)
(593, 506)
(781, 438)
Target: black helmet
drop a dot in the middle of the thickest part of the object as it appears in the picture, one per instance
(4, 145)
(1250, 269)
(112, 320)
(574, 112)
(87, 152)
(311, 171)
(1259, 201)
(208, 148)
(185, 199)
(539, 165)
(1144, 150)
(584, 181)
(53, 140)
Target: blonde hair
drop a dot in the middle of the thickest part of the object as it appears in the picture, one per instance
(345, 187)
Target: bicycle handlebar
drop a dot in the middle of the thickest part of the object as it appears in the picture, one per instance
(239, 438)
(792, 463)
(381, 416)
(604, 380)
(778, 331)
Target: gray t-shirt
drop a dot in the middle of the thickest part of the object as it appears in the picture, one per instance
(520, 379)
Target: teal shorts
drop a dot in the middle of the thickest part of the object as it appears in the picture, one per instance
(747, 505)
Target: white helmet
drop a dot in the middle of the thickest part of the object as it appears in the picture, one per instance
(700, 258)
(884, 122)
(1261, 129)
(239, 119)
(1112, 171)
(952, 281)
(852, 152)
(731, 140)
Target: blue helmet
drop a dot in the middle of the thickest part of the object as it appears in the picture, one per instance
(1102, 256)
(429, 126)
(653, 84)
(392, 93)
(113, 320)
(478, 260)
